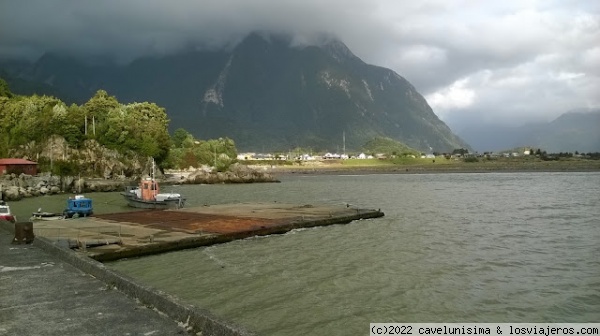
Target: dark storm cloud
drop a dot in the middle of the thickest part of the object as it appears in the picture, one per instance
(479, 60)
(139, 27)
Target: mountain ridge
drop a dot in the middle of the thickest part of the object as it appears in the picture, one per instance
(574, 130)
(265, 93)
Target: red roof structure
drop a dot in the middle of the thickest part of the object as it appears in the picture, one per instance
(18, 166)
(15, 162)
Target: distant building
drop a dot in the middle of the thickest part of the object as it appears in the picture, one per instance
(259, 156)
(17, 166)
(306, 157)
(245, 156)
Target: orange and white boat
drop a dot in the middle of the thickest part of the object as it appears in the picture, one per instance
(148, 196)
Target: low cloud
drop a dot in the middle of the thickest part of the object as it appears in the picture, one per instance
(499, 62)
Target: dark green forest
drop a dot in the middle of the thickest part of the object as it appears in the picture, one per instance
(30, 125)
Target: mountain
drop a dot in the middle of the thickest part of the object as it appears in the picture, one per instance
(265, 93)
(28, 88)
(576, 130)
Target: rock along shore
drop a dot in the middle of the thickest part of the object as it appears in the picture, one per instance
(16, 187)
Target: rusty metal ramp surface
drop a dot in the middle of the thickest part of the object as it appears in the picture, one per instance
(190, 222)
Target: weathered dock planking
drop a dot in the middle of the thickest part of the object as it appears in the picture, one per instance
(149, 232)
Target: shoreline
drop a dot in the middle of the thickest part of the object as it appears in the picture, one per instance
(465, 168)
(330, 168)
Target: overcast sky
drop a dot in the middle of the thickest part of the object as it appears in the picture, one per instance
(503, 62)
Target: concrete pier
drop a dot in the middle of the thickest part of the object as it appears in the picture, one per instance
(49, 290)
(53, 287)
(132, 234)
(42, 295)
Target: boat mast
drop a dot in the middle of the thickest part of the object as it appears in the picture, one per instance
(152, 171)
(154, 184)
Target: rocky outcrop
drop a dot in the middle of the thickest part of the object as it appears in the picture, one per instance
(91, 159)
(15, 187)
(237, 173)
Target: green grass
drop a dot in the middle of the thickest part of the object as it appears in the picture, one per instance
(451, 165)
(365, 163)
(419, 161)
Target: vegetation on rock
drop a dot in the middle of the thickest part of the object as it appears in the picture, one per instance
(388, 146)
(190, 152)
(99, 138)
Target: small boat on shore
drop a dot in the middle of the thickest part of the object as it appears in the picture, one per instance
(147, 195)
(78, 206)
(5, 213)
(46, 216)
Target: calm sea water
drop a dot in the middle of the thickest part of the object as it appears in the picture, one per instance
(522, 247)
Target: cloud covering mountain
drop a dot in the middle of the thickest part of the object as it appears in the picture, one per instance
(509, 62)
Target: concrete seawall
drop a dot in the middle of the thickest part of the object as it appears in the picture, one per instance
(195, 319)
(198, 319)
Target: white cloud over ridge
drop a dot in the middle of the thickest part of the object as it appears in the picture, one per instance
(508, 62)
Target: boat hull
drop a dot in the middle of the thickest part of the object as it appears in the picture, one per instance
(135, 202)
(148, 196)
(8, 218)
(5, 214)
(46, 216)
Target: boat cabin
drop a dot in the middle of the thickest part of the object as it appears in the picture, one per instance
(78, 205)
(149, 189)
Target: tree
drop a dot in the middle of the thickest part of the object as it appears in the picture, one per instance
(65, 168)
(179, 136)
(388, 146)
(4, 89)
(461, 151)
(97, 108)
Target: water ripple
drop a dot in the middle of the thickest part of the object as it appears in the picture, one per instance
(451, 248)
